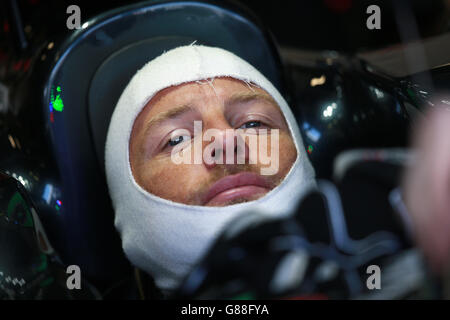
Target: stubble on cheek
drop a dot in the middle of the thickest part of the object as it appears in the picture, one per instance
(288, 154)
(178, 183)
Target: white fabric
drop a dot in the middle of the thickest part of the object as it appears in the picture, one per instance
(162, 237)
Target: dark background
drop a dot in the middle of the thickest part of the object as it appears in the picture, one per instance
(314, 25)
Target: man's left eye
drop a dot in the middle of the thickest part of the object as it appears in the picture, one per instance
(251, 124)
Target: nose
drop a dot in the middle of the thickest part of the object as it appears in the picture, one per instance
(228, 148)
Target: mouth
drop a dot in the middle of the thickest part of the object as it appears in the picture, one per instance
(245, 185)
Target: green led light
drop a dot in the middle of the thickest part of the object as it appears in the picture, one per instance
(58, 104)
(310, 149)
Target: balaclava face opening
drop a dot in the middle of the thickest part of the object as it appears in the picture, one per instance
(162, 237)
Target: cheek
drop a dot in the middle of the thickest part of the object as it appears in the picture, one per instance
(288, 153)
(170, 181)
(270, 157)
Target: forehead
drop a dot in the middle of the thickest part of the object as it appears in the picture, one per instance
(198, 93)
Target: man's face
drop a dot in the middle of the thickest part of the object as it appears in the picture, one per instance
(169, 125)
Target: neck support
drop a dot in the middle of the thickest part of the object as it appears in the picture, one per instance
(162, 237)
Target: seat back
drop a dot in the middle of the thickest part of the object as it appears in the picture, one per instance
(91, 69)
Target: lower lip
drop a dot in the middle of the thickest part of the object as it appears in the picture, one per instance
(243, 192)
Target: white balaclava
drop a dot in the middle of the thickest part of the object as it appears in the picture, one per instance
(162, 237)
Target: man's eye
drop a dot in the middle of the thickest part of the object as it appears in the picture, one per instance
(251, 124)
(176, 140)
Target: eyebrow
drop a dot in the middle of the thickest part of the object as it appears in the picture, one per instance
(240, 97)
(243, 97)
(167, 115)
